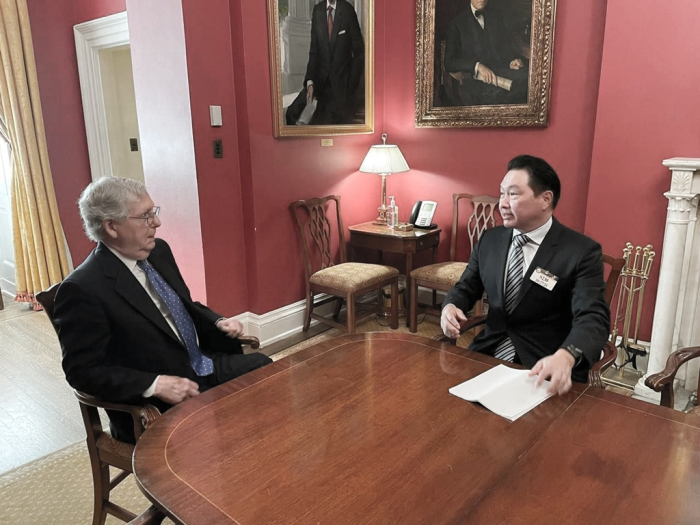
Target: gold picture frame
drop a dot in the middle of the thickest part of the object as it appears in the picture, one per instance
(445, 40)
(344, 104)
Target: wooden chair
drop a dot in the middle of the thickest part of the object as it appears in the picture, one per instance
(608, 352)
(449, 82)
(663, 381)
(344, 281)
(104, 450)
(615, 265)
(443, 276)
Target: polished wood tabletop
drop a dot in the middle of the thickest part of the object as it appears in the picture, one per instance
(361, 429)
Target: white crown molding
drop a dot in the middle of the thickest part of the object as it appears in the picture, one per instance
(90, 38)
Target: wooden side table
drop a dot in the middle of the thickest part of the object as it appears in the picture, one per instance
(384, 239)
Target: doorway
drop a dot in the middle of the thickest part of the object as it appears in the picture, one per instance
(109, 103)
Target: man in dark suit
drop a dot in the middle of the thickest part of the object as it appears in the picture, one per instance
(479, 49)
(335, 67)
(129, 330)
(544, 283)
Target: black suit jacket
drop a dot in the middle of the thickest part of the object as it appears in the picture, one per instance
(543, 321)
(467, 43)
(335, 67)
(114, 339)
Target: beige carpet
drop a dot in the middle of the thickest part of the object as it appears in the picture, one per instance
(57, 489)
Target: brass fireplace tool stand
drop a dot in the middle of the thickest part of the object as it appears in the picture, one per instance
(633, 278)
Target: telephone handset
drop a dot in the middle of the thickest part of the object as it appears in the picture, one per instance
(422, 215)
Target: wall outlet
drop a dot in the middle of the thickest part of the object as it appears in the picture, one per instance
(134, 144)
(218, 149)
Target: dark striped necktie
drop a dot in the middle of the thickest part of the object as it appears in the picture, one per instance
(514, 280)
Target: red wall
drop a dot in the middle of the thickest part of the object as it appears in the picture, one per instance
(445, 161)
(57, 69)
(211, 82)
(648, 111)
(608, 121)
(442, 161)
(278, 171)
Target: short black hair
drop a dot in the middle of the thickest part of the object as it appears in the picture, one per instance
(542, 176)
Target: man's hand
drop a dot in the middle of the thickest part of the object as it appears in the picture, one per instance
(174, 389)
(309, 93)
(516, 64)
(556, 368)
(449, 320)
(487, 75)
(231, 327)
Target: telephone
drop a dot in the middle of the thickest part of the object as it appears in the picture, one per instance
(422, 215)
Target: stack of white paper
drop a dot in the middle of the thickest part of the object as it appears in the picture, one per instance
(505, 391)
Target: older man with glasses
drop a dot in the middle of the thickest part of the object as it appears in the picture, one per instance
(129, 330)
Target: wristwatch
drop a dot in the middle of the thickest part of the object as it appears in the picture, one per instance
(577, 353)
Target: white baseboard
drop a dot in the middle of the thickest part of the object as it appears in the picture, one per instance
(281, 323)
(289, 320)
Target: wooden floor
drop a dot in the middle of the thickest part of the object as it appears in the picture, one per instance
(38, 411)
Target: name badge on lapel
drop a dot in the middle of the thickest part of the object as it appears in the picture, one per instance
(544, 278)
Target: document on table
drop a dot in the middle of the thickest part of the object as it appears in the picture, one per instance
(505, 391)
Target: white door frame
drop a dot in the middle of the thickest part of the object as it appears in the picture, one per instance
(90, 38)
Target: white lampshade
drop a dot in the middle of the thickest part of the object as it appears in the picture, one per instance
(384, 158)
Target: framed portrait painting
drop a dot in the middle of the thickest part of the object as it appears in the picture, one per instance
(483, 62)
(321, 66)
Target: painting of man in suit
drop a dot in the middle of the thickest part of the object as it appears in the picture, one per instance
(485, 51)
(332, 91)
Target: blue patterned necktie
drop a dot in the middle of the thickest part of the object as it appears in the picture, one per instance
(514, 280)
(202, 365)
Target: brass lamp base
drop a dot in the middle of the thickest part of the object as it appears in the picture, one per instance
(381, 220)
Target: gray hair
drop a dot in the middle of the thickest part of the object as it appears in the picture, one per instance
(107, 198)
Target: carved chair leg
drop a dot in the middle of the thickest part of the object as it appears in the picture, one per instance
(100, 475)
(395, 304)
(351, 313)
(338, 306)
(309, 308)
(413, 308)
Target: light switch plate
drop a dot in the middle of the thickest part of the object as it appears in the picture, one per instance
(215, 116)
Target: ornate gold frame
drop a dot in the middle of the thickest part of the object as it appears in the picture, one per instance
(534, 113)
(280, 128)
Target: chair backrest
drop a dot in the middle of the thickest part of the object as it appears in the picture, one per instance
(313, 219)
(616, 264)
(46, 300)
(483, 216)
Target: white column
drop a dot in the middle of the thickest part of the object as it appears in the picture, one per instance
(295, 39)
(673, 296)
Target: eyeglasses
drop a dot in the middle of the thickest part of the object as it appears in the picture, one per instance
(149, 217)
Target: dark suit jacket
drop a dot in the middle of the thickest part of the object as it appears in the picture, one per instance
(467, 43)
(335, 67)
(543, 321)
(114, 339)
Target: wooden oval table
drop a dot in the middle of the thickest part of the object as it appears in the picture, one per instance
(361, 429)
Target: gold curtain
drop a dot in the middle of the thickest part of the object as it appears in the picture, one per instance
(40, 252)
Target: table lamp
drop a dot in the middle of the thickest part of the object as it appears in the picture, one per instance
(384, 159)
